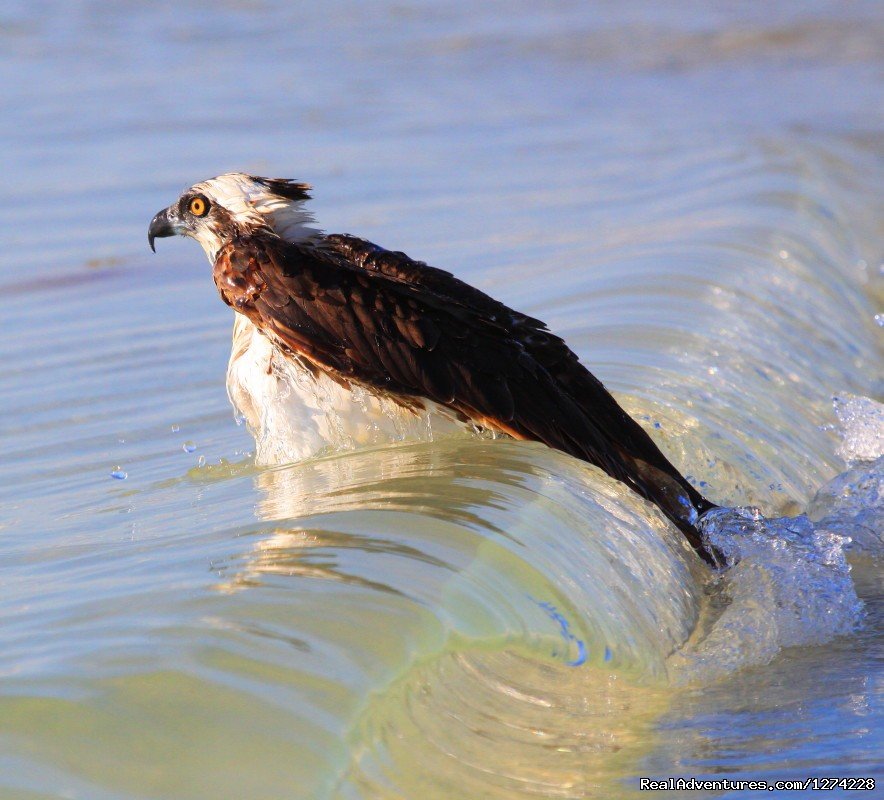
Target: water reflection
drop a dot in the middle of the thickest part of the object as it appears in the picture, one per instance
(498, 725)
(424, 564)
(429, 565)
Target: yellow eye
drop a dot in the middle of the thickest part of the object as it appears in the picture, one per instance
(198, 207)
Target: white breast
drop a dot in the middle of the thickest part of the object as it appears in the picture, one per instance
(294, 415)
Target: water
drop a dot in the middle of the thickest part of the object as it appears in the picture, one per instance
(689, 193)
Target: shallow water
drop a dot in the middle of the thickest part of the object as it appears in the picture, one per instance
(690, 195)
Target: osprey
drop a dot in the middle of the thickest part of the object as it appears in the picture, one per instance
(337, 340)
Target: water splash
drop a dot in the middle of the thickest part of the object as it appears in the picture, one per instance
(862, 427)
(787, 580)
(853, 504)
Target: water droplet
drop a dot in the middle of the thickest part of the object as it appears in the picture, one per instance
(119, 473)
(201, 462)
(176, 428)
(188, 446)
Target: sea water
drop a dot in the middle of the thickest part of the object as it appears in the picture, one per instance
(689, 193)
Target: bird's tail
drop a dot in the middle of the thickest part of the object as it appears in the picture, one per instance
(676, 498)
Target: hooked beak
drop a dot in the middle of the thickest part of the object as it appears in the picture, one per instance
(165, 223)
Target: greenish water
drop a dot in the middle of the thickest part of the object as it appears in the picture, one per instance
(689, 194)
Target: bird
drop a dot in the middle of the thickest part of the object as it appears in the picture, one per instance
(335, 336)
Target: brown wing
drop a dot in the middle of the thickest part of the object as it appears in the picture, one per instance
(548, 350)
(383, 320)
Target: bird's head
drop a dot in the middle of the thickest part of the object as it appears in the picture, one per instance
(215, 211)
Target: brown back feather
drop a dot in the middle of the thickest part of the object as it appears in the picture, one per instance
(396, 325)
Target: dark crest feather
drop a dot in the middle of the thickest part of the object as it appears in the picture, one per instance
(291, 190)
